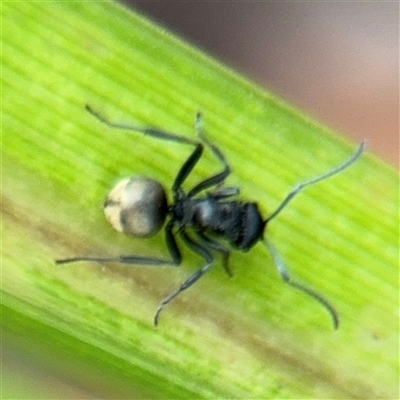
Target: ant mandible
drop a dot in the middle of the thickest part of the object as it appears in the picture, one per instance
(138, 206)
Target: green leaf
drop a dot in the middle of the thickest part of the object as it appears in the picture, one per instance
(251, 336)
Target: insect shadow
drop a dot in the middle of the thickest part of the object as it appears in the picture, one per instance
(200, 217)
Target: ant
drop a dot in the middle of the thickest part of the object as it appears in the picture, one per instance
(138, 206)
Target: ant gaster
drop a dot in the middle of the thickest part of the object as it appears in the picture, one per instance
(138, 207)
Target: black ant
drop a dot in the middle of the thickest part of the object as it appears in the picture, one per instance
(138, 206)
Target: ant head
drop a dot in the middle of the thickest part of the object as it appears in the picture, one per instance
(137, 206)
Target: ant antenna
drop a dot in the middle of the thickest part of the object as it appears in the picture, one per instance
(299, 187)
(283, 272)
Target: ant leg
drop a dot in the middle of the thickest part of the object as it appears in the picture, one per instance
(193, 278)
(165, 135)
(224, 192)
(283, 272)
(220, 248)
(120, 259)
(171, 245)
(149, 131)
(299, 187)
(187, 167)
(215, 179)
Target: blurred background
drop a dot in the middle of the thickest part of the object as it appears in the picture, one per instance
(337, 61)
